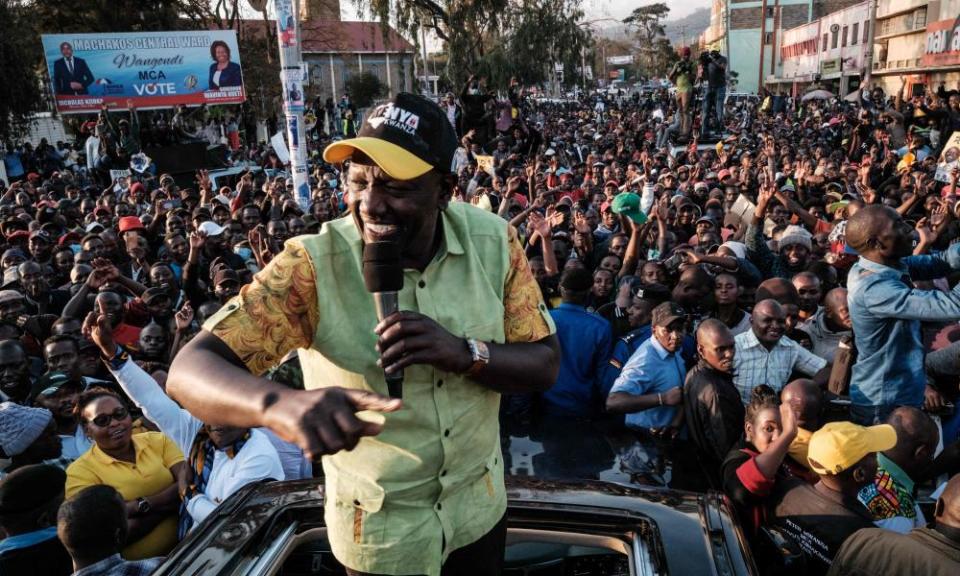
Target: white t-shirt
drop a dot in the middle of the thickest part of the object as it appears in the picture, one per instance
(92, 149)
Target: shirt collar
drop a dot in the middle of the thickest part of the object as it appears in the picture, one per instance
(450, 239)
(750, 339)
(895, 471)
(876, 267)
(658, 347)
(105, 459)
(101, 567)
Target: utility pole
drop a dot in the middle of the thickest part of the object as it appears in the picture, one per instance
(291, 87)
(726, 31)
(763, 42)
(868, 54)
(426, 69)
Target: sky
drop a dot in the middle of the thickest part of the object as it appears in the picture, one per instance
(619, 9)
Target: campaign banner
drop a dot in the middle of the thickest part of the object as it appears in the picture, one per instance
(620, 60)
(949, 158)
(146, 69)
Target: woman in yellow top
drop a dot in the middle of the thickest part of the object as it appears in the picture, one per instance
(144, 468)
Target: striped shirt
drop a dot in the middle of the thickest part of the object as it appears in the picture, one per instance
(755, 365)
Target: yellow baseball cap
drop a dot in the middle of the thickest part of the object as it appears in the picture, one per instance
(839, 445)
(406, 137)
(906, 162)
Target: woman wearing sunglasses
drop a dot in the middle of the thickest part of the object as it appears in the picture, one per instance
(144, 468)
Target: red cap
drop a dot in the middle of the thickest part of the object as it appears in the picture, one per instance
(18, 235)
(723, 174)
(46, 204)
(136, 187)
(613, 183)
(604, 206)
(128, 223)
(33, 176)
(69, 238)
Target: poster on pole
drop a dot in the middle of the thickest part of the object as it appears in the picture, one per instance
(280, 147)
(286, 23)
(292, 82)
(148, 69)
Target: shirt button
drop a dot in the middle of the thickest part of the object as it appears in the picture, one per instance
(439, 383)
(422, 284)
(446, 432)
(356, 502)
(443, 473)
(439, 506)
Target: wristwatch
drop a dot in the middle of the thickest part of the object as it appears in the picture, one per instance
(143, 505)
(481, 356)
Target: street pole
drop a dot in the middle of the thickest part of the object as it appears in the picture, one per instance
(426, 69)
(763, 33)
(291, 87)
(726, 31)
(583, 68)
(868, 55)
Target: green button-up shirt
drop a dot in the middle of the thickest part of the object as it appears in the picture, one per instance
(432, 481)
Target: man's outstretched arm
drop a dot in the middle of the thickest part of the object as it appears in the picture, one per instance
(209, 379)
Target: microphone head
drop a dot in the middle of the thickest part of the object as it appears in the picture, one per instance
(382, 271)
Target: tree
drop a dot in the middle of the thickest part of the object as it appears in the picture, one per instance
(364, 88)
(20, 94)
(117, 15)
(496, 38)
(663, 58)
(646, 22)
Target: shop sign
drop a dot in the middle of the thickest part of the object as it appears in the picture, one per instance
(942, 43)
(830, 66)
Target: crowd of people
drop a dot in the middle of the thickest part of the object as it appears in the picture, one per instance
(781, 303)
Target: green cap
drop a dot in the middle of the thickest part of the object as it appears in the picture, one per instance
(628, 204)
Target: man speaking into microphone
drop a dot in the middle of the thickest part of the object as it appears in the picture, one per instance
(417, 488)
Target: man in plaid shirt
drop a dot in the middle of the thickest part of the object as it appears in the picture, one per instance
(93, 528)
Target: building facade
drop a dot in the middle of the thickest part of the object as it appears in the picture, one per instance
(799, 57)
(335, 51)
(748, 33)
(940, 61)
(899, 44)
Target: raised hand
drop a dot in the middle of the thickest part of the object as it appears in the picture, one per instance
(197, 240)
(938, 214)
(97, 328)
(555, 219)
(539, 224)
(767, 192)
(580, 223)
(103, 272)
(184, 318)
(925, 232)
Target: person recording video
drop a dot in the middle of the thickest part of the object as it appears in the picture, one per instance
(713, 79)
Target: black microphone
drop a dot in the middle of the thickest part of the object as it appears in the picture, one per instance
(383, 277)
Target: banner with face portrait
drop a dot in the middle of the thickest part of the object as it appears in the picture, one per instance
(949, 158)
(145, 69)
